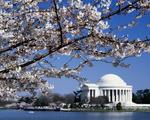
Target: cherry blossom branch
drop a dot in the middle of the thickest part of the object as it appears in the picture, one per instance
(58, 21)
(46, 54)
(15, 46)
(119, 10)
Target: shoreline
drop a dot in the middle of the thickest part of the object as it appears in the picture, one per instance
(75, 110)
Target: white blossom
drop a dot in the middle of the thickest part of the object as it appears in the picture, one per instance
(34, 39)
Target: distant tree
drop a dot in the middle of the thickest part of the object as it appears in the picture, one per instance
(134, 97)
(4, 102)
(119, 106)
(102, 100)
(142, 96)
(26, 99)
(57, 98)
(69, 98)
(77, 95)
(42, 101)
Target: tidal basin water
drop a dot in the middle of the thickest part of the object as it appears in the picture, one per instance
(29, 115)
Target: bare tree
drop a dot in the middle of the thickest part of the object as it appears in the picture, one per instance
(33, 36)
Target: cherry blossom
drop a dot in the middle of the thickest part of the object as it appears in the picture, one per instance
(33, 38)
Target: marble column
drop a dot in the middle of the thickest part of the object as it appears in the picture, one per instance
(113, 96)
(119, 95)
(131, 95)
(128, 95)
(124, 96)
(101, 92)
(90, 93)
(93, 93)
(104, 92)
(109, 99)
(116, 95)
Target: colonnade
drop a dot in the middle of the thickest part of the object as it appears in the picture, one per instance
(118, 94)
(92, 93)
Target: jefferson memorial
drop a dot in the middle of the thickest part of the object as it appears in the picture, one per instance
(112, 86)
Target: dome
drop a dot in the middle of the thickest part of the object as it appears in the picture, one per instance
(111, 80)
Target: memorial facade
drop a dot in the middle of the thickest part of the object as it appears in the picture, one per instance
(116, 90)
(109, 85)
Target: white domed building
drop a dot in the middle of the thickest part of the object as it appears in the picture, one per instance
(112, 86)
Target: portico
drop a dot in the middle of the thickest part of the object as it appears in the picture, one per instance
(117, 94)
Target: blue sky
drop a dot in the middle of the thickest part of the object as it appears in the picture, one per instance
(137, 75)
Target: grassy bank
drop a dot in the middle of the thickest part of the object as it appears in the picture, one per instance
(83, 110)
(109, 110)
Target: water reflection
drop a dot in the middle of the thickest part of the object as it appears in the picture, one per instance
(111, 115)
(25, 115)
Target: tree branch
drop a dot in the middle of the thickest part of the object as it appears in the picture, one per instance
(118, 11)
(58, 21)
(46, 54)
(15, 46)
